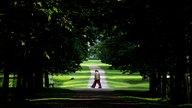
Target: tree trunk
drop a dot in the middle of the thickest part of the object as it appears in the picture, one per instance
(46, 79)
(20, 89)
(6, 79)
(38, 79)
(159, 83)
(6, 84)
(20, 93)
(164, 85)
(172, 85)
(153, 84)
(190, 88)
(189, 46)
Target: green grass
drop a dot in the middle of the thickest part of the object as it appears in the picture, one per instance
(78, 79)
(81, 78)
(94, 62)
(115, 78)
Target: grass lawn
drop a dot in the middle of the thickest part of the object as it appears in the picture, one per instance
(79, 79)
(115, 78)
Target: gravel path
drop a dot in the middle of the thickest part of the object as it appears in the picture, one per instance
(95, 93)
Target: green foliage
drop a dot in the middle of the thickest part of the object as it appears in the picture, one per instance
(94, 51)
(118, 52)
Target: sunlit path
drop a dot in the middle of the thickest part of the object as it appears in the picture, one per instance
(103, 79)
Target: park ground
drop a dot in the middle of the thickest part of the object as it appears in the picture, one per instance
(90, 97)
(87, 98)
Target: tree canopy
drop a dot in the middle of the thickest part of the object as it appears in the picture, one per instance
(152, 37)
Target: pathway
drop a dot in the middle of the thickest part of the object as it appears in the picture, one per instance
(95, 93)
(99, 98)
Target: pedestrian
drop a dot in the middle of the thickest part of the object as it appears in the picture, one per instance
(96, 79)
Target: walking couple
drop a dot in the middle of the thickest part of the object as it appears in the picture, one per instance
(96, 79)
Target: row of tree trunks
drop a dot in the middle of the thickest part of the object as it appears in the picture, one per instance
(176, 86)
(158, 83)
(28, 81)
(180, 85)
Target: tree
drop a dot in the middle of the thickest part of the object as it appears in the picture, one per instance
(40, 38)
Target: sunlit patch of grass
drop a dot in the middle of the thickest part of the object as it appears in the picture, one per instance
(79, 79)
(94, 62)
(115, 78)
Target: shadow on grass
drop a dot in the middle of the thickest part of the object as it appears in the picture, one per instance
(144, 98)
(60, 98)
(38, 99)
(136, 81)
(51, 94)
(43, 94)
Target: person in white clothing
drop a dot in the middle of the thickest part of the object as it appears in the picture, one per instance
(96, 79)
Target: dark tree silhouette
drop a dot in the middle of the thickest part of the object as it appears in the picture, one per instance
(152, 37)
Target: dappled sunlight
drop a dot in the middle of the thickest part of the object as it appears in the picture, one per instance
(73, 85)
(94, 62)
(116, 79)
(113, 78)
(126, 81)
(79, 79)
(115, 84)
(126, 77)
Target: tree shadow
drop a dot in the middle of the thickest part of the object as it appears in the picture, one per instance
(59, 97)
(142, 97)
(132, 81)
